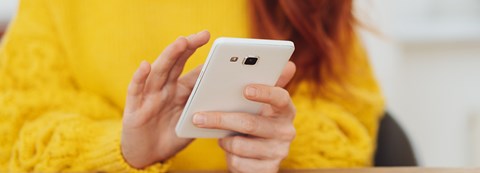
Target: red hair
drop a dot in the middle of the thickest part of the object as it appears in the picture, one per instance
(322, 31)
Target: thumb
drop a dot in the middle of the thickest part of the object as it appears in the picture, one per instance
(188, 80)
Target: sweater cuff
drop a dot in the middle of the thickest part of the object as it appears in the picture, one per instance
(108, 157)
(125, 167)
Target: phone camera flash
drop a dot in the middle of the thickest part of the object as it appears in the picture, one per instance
(233, 59)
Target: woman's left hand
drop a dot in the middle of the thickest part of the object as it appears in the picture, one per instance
(267, 136)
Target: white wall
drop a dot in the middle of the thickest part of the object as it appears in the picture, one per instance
(428, 63)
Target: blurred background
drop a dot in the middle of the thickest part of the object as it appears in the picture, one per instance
(426, 56)
(428, 63)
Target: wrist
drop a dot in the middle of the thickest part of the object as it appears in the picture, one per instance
(135, 157)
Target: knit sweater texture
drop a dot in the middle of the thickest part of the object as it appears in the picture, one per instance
(65, 67)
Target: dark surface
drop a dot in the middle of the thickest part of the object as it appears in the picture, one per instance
(393, 146)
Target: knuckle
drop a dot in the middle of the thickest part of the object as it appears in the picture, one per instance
(284, 92)
(264, 92)
(216, 119)
(235, 145)
(161, 79)
(156, 97)
(249, 124)
(183, 43)
(281, 153)
(179, 44)
(287, 133)
(235, 163)
(284, 103)
(284, 100)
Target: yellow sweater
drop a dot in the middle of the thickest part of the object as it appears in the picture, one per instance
(65, 66)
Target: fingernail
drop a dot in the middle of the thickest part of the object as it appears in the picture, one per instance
(251, 91)
(199, 119)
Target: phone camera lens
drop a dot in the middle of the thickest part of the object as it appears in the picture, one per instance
(250, 60)
(233, 59)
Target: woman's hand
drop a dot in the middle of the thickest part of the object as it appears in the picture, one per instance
(267, 136)
(156, 97)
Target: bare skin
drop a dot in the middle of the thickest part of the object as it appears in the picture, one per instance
(156, 97)
(268, 135)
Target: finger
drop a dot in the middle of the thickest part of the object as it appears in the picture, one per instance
(186, 84)
(240, 164)
(188, 80)
(194, 42)
(136, 86)
(238, 122)
(277, 97)
(287, 74)
(249, 124)
(164, 63)
(255, 148)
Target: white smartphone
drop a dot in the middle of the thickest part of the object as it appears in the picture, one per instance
(232, 64)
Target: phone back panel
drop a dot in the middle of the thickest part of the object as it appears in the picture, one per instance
(221, 83)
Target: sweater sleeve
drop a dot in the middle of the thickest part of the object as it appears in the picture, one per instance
(47, 124)
(339, 130)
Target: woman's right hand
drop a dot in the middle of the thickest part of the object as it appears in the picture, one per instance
(156, 97)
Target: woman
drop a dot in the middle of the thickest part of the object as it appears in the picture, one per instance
(65, 67)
